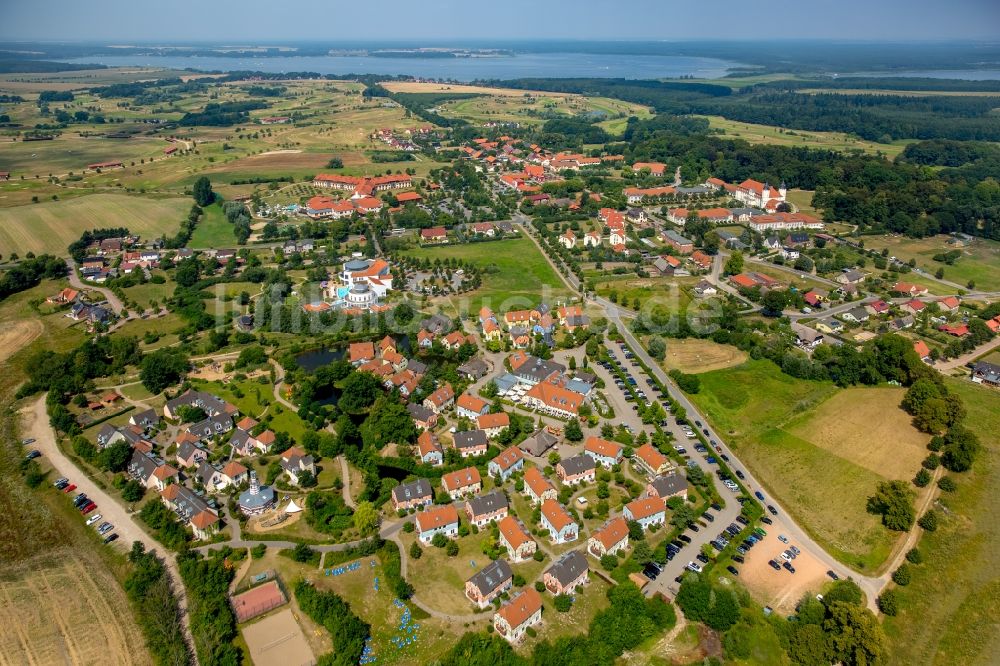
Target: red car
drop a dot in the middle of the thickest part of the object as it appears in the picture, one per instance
(70, 488)
(88, 508)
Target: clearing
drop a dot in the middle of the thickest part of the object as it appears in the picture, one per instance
(979, 261)
(693, 355)
(515, 274)
(779, 136)
(785, 431)
(957, 581)
(781, 590)
(17, 334)
(51, 226)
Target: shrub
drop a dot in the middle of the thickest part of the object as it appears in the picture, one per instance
(901, 576)
(452, 548)
(539, 586)
(933, 461)
(914, 556)
(888, 602)
(258, 551)
(922, 478)
(563, 603)
(929, 521)
(947, 484)
(408, 528)
(416, 551)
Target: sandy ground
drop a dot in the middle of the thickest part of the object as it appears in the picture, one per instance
(694, 355)
(780, 590)
(282, 152)
(17, 335)
(253, 525)
(277, 640)
(429, 87)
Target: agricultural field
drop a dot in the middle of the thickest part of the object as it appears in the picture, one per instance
(53, 225)
(779, 136)
(820, 451)
(948, 613)
(692, 355)
(515, 274)
(979, 262)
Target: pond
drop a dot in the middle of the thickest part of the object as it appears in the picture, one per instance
(311, 361)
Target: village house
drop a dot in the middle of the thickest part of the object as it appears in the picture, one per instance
(189, 454)
(675, 240)
(147, 418)
(913, 307)
(705, 288)
(483, 509)
(908, 289)
(422, 416)
(462, 483)
(857, 315)
(210, 477)
(536, 487)
(610, 539)
(492, 581)
(192, 509)
(568, 239)
(429, 449)
(207, 402)
(441, 399)
(987, 374)
(519, 544)
(471, 443)
(665, 486)
(604, 452)
(923, 351)
(576, 470)
(507, 463)
(648, 458)
(410, 495)
(850, 276)
(437, 520)
(539, 442)
(295, 462)
(568, 573)
(646, 511)
(521, 612)
(551, 398)
(473, 369)
(470, 406)
(558, 522)
(151, 472)
(493, 424)
(235, 474)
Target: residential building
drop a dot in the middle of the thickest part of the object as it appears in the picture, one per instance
(555, 519)
(604, 452)
(651, 460)
(509, 461)
(610, 539)
(470, 406)
(519, 544)
(441, 399)
(429, 449)
(521, 612)
(295, 462)
(665, 486)
(493, 424)
(192, 509)
(536, 487)
(576, 470)
(568, 573)
(987, 374)
(437, 520)
(410, 495)
(539, 442)
(483, 509)
(422, 416)
(492, 581)
(551, 398)
(647, 511)
(462, 482)
(471, 443)
(678, 242)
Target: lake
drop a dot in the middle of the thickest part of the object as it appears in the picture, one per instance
(520, 65)
(961, 74)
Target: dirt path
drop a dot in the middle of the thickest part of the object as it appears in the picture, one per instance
(36, 425)
(345, 473)
(17, 335)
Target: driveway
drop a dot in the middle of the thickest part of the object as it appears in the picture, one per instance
(75, 281)
(36, 425)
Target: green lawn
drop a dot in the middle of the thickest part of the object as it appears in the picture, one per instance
(950, 610)
(515, 274)
(214, 230)
(980, 262)
(756, 407)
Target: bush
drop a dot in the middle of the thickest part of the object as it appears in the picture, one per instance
(901, 576)
(933, 461)
(947, 484)
(563, 603)
(929, 521)
(416, 551)
(922, 478)
(258, 551)
(888, 602)
(452, 548)
(408, 528)
(539, 586)
(914, 556)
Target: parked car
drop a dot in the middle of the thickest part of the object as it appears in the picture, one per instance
(709, 517)
(759, 495)
(70, 488)
(741, 520)
(61, 479)
(93, 519)
(772, 510)
(738, 558)
(833, 574)
(795, 551)
(87, 509)
(702, 558)
(788, 567)
(111, 537)
(105, 528)
(695, 567)
(782, 538)
(716, 506)
(34, 453)
(740, 475)
(774, 565)
(685, 538)
(30, 440)
(733, 570)
(61, 484)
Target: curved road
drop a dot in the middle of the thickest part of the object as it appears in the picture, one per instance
(75, 281)
(36, 425)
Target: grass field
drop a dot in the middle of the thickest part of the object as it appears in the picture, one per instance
(815, 448)
(692, 355)
(214, 230)
(950, 610)
(670, 293)
(515, 275)
(980, 262)
(53, 225)
(802, 200)
(779, 136)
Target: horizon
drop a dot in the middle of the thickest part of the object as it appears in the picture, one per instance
(922, 20)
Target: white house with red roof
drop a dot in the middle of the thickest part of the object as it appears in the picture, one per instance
(759, 195)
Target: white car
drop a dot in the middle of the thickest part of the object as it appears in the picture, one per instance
(694, 566)
(786, 557)
(93, 519)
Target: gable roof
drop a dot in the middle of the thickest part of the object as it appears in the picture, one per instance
(612, 533)
(649, 455)
(603, 447)
(437, 517)
(669, 484)
(508, 458)
(417, 489)
(493, 576)
(578, 464)
(497, 420)
(556, 515)
(645, 507)
(471, 439)
(488, 503)
(471, 403)
(569, 567)
(512, 532)
(461, 478)
(517, 611)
